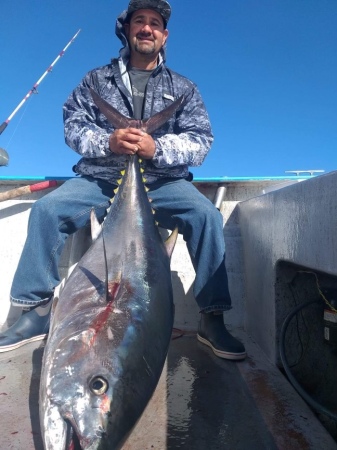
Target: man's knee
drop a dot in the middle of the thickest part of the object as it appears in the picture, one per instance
(207, 213)
(43, 207)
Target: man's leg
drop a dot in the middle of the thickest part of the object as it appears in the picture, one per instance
(52, 219)
(179, 203)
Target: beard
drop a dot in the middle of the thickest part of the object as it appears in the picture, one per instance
(145, 49)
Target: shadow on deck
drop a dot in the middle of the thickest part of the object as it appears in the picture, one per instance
(201, 402)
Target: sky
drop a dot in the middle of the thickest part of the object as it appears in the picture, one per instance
(266, 69)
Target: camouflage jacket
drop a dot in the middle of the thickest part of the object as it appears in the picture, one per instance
(182, 142)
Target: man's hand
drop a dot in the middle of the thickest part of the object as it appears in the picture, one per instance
(129, 141)
(146, 147)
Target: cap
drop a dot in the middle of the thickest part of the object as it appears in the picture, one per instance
(160, 6)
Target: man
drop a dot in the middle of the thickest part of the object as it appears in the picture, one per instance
(138, 84)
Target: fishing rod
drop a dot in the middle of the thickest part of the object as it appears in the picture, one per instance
(33, 90)
(23, 190)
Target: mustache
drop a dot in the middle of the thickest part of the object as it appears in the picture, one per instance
(144, 35)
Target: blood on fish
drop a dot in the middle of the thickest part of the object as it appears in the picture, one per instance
(102, 317)
(112, 290)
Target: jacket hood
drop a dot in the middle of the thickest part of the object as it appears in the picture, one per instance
(125, 50)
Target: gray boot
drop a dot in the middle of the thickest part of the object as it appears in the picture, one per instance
(213, 332)
(32, 325)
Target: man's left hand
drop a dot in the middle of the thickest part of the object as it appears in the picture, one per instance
(146, 147)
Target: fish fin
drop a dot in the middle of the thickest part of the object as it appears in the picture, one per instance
(118, 120)
(171, 242)
(54, 304)
(96, 227)
(156, 121)
(115, 118)
(106, 281)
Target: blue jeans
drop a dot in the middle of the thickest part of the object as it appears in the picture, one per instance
(65, 210)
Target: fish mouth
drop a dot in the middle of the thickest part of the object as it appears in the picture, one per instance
(69, 431)
(72, 439)
(75, 441)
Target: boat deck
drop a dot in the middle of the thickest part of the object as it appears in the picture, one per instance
(201, 402)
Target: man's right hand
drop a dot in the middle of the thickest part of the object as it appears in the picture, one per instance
(124, 141)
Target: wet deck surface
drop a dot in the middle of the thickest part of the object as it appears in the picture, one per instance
(201, 403)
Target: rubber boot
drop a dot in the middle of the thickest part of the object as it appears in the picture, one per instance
(213, 332)
(32, 325)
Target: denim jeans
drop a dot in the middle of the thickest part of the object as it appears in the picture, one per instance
(65, 210)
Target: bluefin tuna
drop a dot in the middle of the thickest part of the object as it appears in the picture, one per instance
(111, 325)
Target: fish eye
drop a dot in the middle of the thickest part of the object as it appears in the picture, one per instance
(98, 385)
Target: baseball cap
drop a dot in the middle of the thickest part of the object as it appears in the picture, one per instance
(160, 6)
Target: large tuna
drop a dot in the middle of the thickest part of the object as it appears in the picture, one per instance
(112, 323)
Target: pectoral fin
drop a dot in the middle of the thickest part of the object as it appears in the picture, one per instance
(171, 242)
(96, 227)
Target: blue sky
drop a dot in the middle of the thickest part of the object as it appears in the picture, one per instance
(267, 71)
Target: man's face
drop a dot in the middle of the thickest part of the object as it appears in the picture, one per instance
(145, 32)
